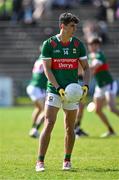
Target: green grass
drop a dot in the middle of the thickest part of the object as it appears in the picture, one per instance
(93, 158)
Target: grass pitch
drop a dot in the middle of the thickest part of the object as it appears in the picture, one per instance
(93, 158)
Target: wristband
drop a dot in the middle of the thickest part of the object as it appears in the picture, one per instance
(58, 88)
(87, 86)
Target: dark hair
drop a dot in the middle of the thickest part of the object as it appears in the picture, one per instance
(94, 39)
(66, 18)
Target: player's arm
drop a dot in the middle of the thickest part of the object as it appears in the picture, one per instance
(86, 71)
(47, 61)
(86, 78)
(84, 64)
(50, 76)
(48, 72)
(46, 55)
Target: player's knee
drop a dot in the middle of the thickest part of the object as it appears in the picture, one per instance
(69, 131)
(48, 126)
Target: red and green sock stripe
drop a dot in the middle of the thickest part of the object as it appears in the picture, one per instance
(67, 157)
(41, 158)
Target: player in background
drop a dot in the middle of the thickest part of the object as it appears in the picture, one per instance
(80, 111)
(106, 86)
(37, 92)
(60, 55)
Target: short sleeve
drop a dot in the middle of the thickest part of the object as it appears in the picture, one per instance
(83, 54)
(46, 51)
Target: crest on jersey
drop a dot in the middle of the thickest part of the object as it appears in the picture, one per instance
(74, 51)
(66, 51)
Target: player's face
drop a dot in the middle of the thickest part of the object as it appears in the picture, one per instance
(70, 29)
(92, 47)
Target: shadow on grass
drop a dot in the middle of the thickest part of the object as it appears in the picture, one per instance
(100, 169)
(97, 137)
(94, 170)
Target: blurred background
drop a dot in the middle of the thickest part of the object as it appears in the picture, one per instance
(25, 24)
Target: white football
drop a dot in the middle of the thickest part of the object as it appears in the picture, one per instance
(73, 92)
(91, 107)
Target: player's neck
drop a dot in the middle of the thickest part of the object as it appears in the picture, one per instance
(63, 37)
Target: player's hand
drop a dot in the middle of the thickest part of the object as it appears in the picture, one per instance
(61, 92)
(85, 89)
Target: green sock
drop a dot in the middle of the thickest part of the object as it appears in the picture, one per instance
(34, 125)
(41, 158)
(39, 124)
(67, 157)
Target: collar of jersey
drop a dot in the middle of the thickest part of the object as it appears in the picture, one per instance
(57, 36)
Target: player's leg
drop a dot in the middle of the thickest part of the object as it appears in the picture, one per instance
(79, 115)
(40, 119)
(69, 121)
(38, 113)
(41, 102)
(78, 131)
(110, 95)
(112, 104)
(99, 102)
(37, 118)
(37, 95)
(50, 117)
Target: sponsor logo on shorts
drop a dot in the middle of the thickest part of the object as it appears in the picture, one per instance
(50, 98)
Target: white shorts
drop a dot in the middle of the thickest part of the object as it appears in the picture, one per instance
(55, 100)
(35, 93)
(106, 90)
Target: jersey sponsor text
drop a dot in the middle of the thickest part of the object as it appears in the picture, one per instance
(65, 63)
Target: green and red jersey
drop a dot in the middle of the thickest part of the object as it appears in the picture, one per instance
(102, 74)
(38, 77)
(64, 59)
